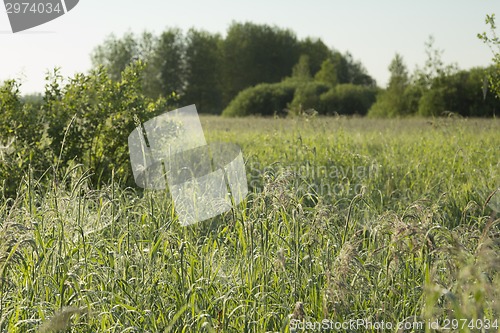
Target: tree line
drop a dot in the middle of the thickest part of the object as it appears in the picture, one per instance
(208, 70)
(266, 70)
(433, 89)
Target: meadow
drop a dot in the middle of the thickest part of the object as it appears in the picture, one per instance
(347, 219)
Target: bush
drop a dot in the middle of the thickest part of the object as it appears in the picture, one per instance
(433, 103)
(21, 139)
(347, 99)
(461, 93)
(85, 121)
(483, 103)
(94, 115)
(307, 95)
(264, 99)
(267, 99)
(396, 103)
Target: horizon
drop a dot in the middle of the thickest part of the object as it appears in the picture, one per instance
(372, 32)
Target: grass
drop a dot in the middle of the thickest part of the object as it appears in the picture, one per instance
(382, 220)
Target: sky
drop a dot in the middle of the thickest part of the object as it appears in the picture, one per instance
(372, 31)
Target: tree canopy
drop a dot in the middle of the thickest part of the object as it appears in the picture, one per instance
(209, 70)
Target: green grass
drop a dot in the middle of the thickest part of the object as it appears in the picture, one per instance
(347, 219)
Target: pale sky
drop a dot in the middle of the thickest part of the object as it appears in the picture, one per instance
(373, 31)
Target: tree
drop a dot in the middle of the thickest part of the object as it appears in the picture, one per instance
(116, 54)
(328, 73)
(168, 63)
(307, 96)
(317, 52)
(203, 68)
(493, 42)
(460, 93)
(399, 73)
(481, 103)
(432, 82)
(163, 56)
(254, 54)
(393, 101)
(301, 70)
(356, 72)
(339, 68)
(210, 71)
(434, 68)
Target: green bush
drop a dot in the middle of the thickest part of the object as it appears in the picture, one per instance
(307, 95)
(86, 120)
(267, 99)
(93, 116)
(461, 93)
(396, 103)
(347, 99)
(21, 139)
(263, 99)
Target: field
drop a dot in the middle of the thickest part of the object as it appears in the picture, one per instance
(387, 221)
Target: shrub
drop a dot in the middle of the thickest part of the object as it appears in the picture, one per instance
(267, 99)
(347, 99)
(85, 121)
(20, 138)
(263, 99)
(93, 116)
(460, 93)
(307, 95)
(432, 102)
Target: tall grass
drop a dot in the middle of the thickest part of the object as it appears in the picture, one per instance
(347, 219)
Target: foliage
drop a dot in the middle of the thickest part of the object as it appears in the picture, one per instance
(307, 96)
(493, 41)
(168, 63)
(302, 71)
(301, 91)
(460, 93)
(393, 101)
(264, 99)
(435, 89)
(347, 99)
(21, 138)
(474, 97)
(256, 54)
(86, 120)
(434, 68)
(203, 68)
(293, 95)
(316, 51)
(328, 73)
(208, 70)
